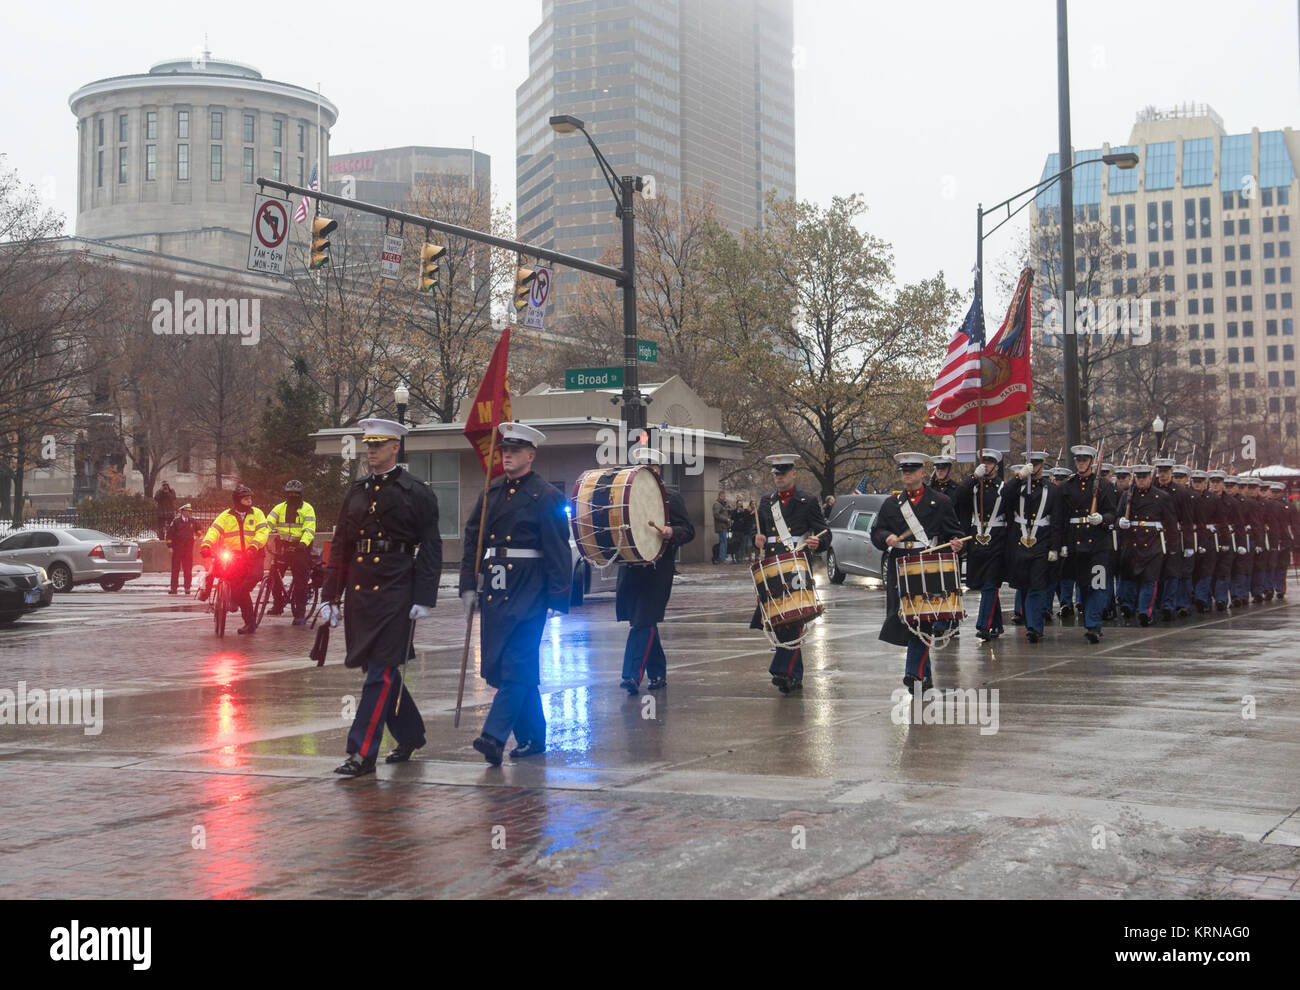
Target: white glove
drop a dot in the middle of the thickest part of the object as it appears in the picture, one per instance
(1065, 551)
(1052, 556)
(1025, 472)
(981, 470)
(1123, 522)
(1241, 550)
(467, 598)
(331, 614)
(1200, 549)
(552, 612)
(1188, 551)
(1094, 519)
(421, 611)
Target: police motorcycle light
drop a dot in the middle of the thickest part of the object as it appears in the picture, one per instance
(225, 556)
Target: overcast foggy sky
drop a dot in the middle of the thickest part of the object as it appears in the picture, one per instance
(925, 108)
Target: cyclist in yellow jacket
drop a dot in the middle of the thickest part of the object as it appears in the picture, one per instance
(233, 547)
(293, 522)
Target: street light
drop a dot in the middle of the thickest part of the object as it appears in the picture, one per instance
(402, 396)
(1158, 428)
(624, 189)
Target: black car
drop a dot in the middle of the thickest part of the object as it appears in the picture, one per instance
(23, 589)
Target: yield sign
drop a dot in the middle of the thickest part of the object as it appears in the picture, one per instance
(268, 243)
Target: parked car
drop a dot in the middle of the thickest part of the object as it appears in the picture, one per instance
(851, 551)
(23, 589)
(75, 556)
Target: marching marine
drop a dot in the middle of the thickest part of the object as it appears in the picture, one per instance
(979, 499)
(1033, 547)
(1147, 517)
(1089, 509)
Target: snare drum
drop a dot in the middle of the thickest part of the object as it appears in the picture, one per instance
(929, 588)
(613, 512)
(786, 595)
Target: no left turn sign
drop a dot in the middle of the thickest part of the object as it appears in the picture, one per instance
(269, 240)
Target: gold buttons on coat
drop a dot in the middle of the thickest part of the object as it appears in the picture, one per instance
(359, 559)
(356, 587)
(489, 597)
(375, 588)
(510, 567)
(376, 560)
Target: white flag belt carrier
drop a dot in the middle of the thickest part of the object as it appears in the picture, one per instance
(983, 533)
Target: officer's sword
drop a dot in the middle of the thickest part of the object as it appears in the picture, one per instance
(410, 645)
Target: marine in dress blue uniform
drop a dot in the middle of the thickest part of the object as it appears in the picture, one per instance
(895, 537)
(978, 500)
(642, 592)
(1033, 546)
(523, 577)
(801, 513)
(1146, 517)
(385, 558)
(1089, 508)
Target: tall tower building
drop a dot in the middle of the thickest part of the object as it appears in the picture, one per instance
(698, 94)
(1205, 228)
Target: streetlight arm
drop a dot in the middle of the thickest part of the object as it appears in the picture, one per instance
(1034, 188)
(611, 177)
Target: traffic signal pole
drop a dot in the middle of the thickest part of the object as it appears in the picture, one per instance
(616, 275)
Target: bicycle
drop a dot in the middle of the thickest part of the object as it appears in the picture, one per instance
(266, 594)
(219, 595)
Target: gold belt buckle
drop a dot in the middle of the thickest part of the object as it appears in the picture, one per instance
(1028, 541)
(983, 539)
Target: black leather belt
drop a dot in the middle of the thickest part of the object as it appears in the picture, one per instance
(384, 546)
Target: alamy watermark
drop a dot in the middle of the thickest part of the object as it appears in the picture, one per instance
(196, 316)
(952, 706)
(1129, 317)
(677, 444)
(57, 706)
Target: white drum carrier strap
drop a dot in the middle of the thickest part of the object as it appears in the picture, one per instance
(914, 524)
(782, 530)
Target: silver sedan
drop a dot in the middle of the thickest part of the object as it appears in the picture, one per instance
(75, 556)
(851, 550)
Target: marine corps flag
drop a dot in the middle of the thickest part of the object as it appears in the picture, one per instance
(1007, 381)
(491, 407)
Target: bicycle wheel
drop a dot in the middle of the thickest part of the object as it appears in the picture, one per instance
(219, 607)
(263, 599)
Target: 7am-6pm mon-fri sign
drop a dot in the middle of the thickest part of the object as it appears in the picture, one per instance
(268, 241)
(535, 314)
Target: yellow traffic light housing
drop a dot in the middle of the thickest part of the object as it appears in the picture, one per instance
(429, 255)
(524, 278)
(321, 228)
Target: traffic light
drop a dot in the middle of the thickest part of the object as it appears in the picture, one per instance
(321, 228)
(429, 255)
(523, 287)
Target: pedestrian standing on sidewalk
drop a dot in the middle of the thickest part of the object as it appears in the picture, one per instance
(721, 524)
(166, 499)
(385, 557)
(181, 535)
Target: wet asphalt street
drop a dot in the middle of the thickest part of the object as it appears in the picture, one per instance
(1161, 762)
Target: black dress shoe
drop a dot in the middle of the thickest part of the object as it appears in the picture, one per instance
(1017, 620)
(1067, 611)
(1144, 619)
(1220, 606)
(246, 630)
(401, 753)
(796, 685)
(1258, 599)
(1107, 614)
(628, 685)
(1183, 612)
(527, 749)
(490, 748)
(909, 682)
(1268, 596)
(1281, 595)
(657, 683)
(1126, 611)
(927, 684)
(1032, 636)
(1166, 615)
(782, 683)
(352, 767)
(1093, 637)
(981, 634)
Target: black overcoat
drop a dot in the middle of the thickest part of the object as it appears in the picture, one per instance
(934, 511)
(643, 589)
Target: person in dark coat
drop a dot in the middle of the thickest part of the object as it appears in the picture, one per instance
(643, 590)
(1088, 508)
(385, 558)
(983, 515)
(941, 479)
(523, 578)
(1222, 520)
(742, 531)
(915, 519)
(1033, 546)
(1147, 519)
(1204, 517)
(181, 534)
(784, 516)
(1261, 542)
(1244, 563)
(1178, 543)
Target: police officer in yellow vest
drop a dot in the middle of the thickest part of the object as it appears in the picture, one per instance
(293, 522)
(233, 546)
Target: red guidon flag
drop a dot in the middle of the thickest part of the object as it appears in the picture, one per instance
(491, 406)
(1007, 381)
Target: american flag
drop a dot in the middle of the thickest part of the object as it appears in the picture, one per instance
(961, 368)
(862, 486)
(304, 204)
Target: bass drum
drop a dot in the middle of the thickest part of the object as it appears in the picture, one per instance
(615, 515)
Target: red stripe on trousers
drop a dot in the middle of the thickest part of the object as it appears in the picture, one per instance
(924, 657)
(793, 656)
(1155, 593)
(377, 715)
(645, 657)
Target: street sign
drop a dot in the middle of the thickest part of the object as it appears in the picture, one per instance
(582, 378)
(535, 314)
(268, 241)
(390, 258)
(647, 350)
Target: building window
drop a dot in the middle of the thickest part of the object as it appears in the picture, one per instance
(151, 125)
(121, 127)
(1252, 407)
(300, 172)
(1288, 326)
(1191, 280)
(302, 139)
(1153, 259)
(1116, 227)
(1167, 219)
(1169, 259)
(1248, 357)
(1290, 403)
(1191, 256)
(1246, 276)
(1133, 261)
(275, 166)
(1234, 380)
(1229, 228)
(1288, 379)
(1243, 227)
(248, 164)
(1207, 255)
(1209, 357)
(1250, 379)
(100, 130)
(1229, 252)
(183, 124)
(248, 128)
(215, 125)
(121, 164)
(1235, 406)
(1266, 225)
(1153, 222)
(1283, 223)
(1270, 276)
(1207, 280)
(1207, 329)
(1194, 357)
(1130, 224)
(1269, 249)
(1194, 332)
(1270, 328)
(1284, 249)
(1230, 278)
(1247, 303)
(182, 163)
(215, 170)
(1169, 283)
(1171, 307)
(1232, 329)
(1270, 354)
(1189, 216)
(1274, 379)
(1207, 305)
(1244, 253)
(1266, 197)
(1270, 300)
(277, 133)
(441, 472)
(1132, 286)
(1288, 352)
(150, 162)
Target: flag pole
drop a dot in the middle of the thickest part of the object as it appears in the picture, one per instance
(979, 302)
(478, 558)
